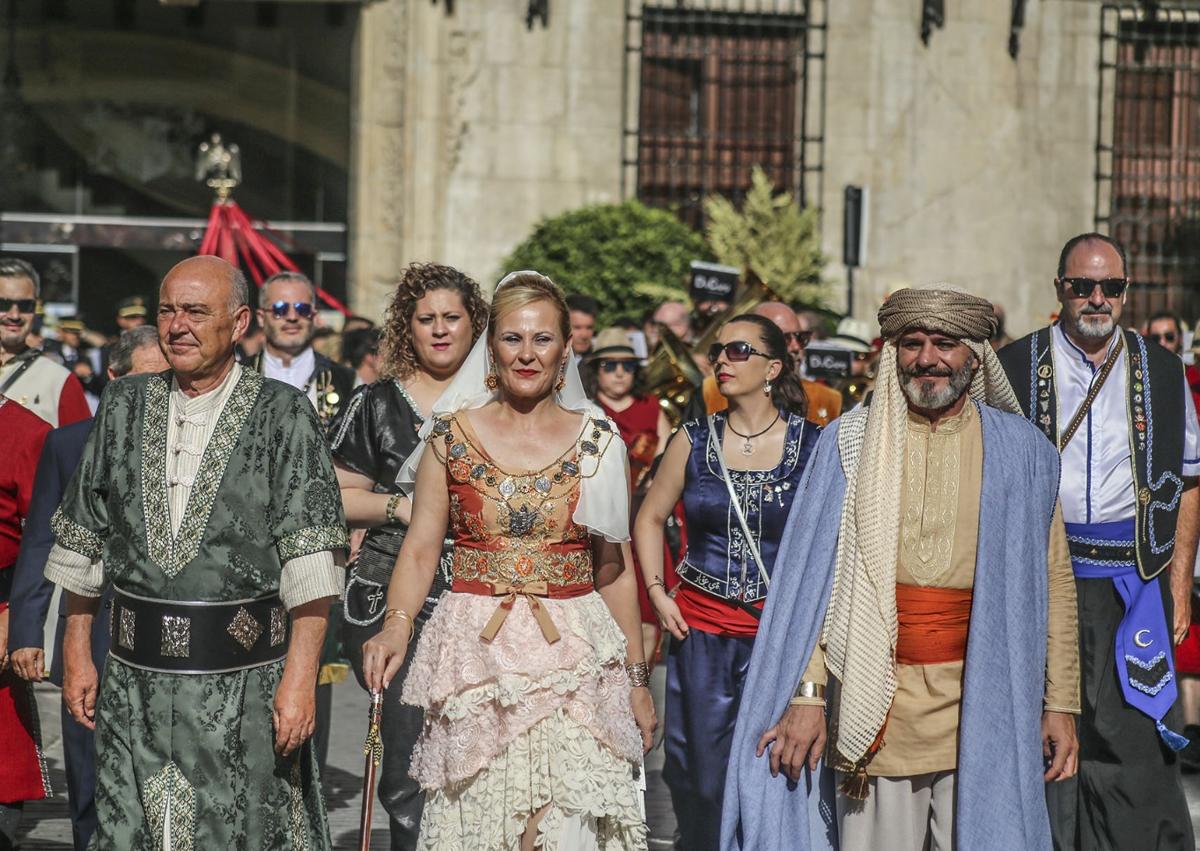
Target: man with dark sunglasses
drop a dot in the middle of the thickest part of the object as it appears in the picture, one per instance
(1120, 413)
(26, 376)
(287, 311)
(1166, 329)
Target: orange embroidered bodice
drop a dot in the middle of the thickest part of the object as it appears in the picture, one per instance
(515, 528)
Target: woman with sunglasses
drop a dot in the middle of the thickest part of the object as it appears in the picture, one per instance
(435, 316)
(610, 376)
(756, 450)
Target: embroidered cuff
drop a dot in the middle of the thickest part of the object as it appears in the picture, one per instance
(74, 572)
(73, 536)
(312, 540)
(310, 577)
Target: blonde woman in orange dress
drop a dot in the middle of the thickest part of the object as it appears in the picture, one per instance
(531, 671)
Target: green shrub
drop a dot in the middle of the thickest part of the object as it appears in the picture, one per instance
(629, 257)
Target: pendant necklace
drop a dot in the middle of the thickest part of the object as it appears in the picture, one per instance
(747, 448)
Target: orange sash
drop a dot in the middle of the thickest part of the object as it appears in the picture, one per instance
(933, 624)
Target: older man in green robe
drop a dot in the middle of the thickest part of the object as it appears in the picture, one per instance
(207, 497)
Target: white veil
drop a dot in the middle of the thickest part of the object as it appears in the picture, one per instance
(604, 492)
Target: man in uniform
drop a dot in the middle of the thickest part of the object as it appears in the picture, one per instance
(26, 376)
(287, 310)
(1120, 413)
(136, 353)
(207, 497)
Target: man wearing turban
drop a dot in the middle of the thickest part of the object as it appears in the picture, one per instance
(921, 644)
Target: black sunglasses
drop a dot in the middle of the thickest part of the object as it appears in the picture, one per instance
(735, 351)
(802, 338)
(1084, 287)
(1165, 337)
(611, 366)
(303, 309)
(23, 305)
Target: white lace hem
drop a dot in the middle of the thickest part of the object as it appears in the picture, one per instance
(556, 763)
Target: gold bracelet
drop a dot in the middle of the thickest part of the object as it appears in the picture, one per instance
(639, 674)
(403, 615)
(808, 690)
(390, 512)
(657, 582)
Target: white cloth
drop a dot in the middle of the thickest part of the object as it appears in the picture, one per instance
(604, 492)
(38, 388)
(900, 814)
(191, 422)
(298, 373)
(1097, 469)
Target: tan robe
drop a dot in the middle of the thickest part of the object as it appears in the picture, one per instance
(939, 523)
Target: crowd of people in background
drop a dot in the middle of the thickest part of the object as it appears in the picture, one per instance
(520, 517)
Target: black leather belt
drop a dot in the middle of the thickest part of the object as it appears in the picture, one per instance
(175, 637)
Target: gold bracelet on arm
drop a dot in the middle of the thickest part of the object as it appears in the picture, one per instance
(639, 674)
(404, 616)
(806, 693)
(389, 512)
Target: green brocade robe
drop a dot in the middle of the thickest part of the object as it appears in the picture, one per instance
(197, 750)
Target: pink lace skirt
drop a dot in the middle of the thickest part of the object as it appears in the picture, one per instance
(480, 697)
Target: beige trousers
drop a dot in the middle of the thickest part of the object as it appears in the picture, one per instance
(901, 814)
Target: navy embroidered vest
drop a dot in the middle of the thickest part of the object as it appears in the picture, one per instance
(718, 560)
(1155, 411)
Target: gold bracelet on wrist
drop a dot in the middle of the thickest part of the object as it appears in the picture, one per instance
(399, 613)
(390, 511)
(656, 583)
(809, 691)
(639, 674)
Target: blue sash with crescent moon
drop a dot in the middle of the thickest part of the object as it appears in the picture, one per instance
(1145, 653)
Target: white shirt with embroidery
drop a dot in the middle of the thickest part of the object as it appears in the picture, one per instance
(1097, 465)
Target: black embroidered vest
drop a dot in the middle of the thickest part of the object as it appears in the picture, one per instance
(1155, 414)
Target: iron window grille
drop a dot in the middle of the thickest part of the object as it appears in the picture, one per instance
(715, 87)
(1148, 151)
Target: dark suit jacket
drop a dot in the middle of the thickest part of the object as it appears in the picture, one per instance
(341, 379)
(31, 590)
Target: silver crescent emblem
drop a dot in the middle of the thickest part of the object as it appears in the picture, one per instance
(1137, 638)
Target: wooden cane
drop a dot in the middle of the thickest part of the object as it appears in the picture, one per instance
(373, 750)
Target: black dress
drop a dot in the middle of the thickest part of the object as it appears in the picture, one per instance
(373, 435)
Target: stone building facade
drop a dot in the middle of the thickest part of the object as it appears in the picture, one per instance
(470, 125)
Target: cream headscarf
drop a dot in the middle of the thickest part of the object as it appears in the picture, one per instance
(860, 627)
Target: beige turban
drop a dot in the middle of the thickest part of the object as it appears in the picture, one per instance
(860, 623)
(948, 312)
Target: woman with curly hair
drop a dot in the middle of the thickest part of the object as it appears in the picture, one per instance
(435, 316)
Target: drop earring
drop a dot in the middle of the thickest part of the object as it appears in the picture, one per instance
(562, 379)
(492, 382)
(767, 388)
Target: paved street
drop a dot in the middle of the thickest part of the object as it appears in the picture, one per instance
(46, 825)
